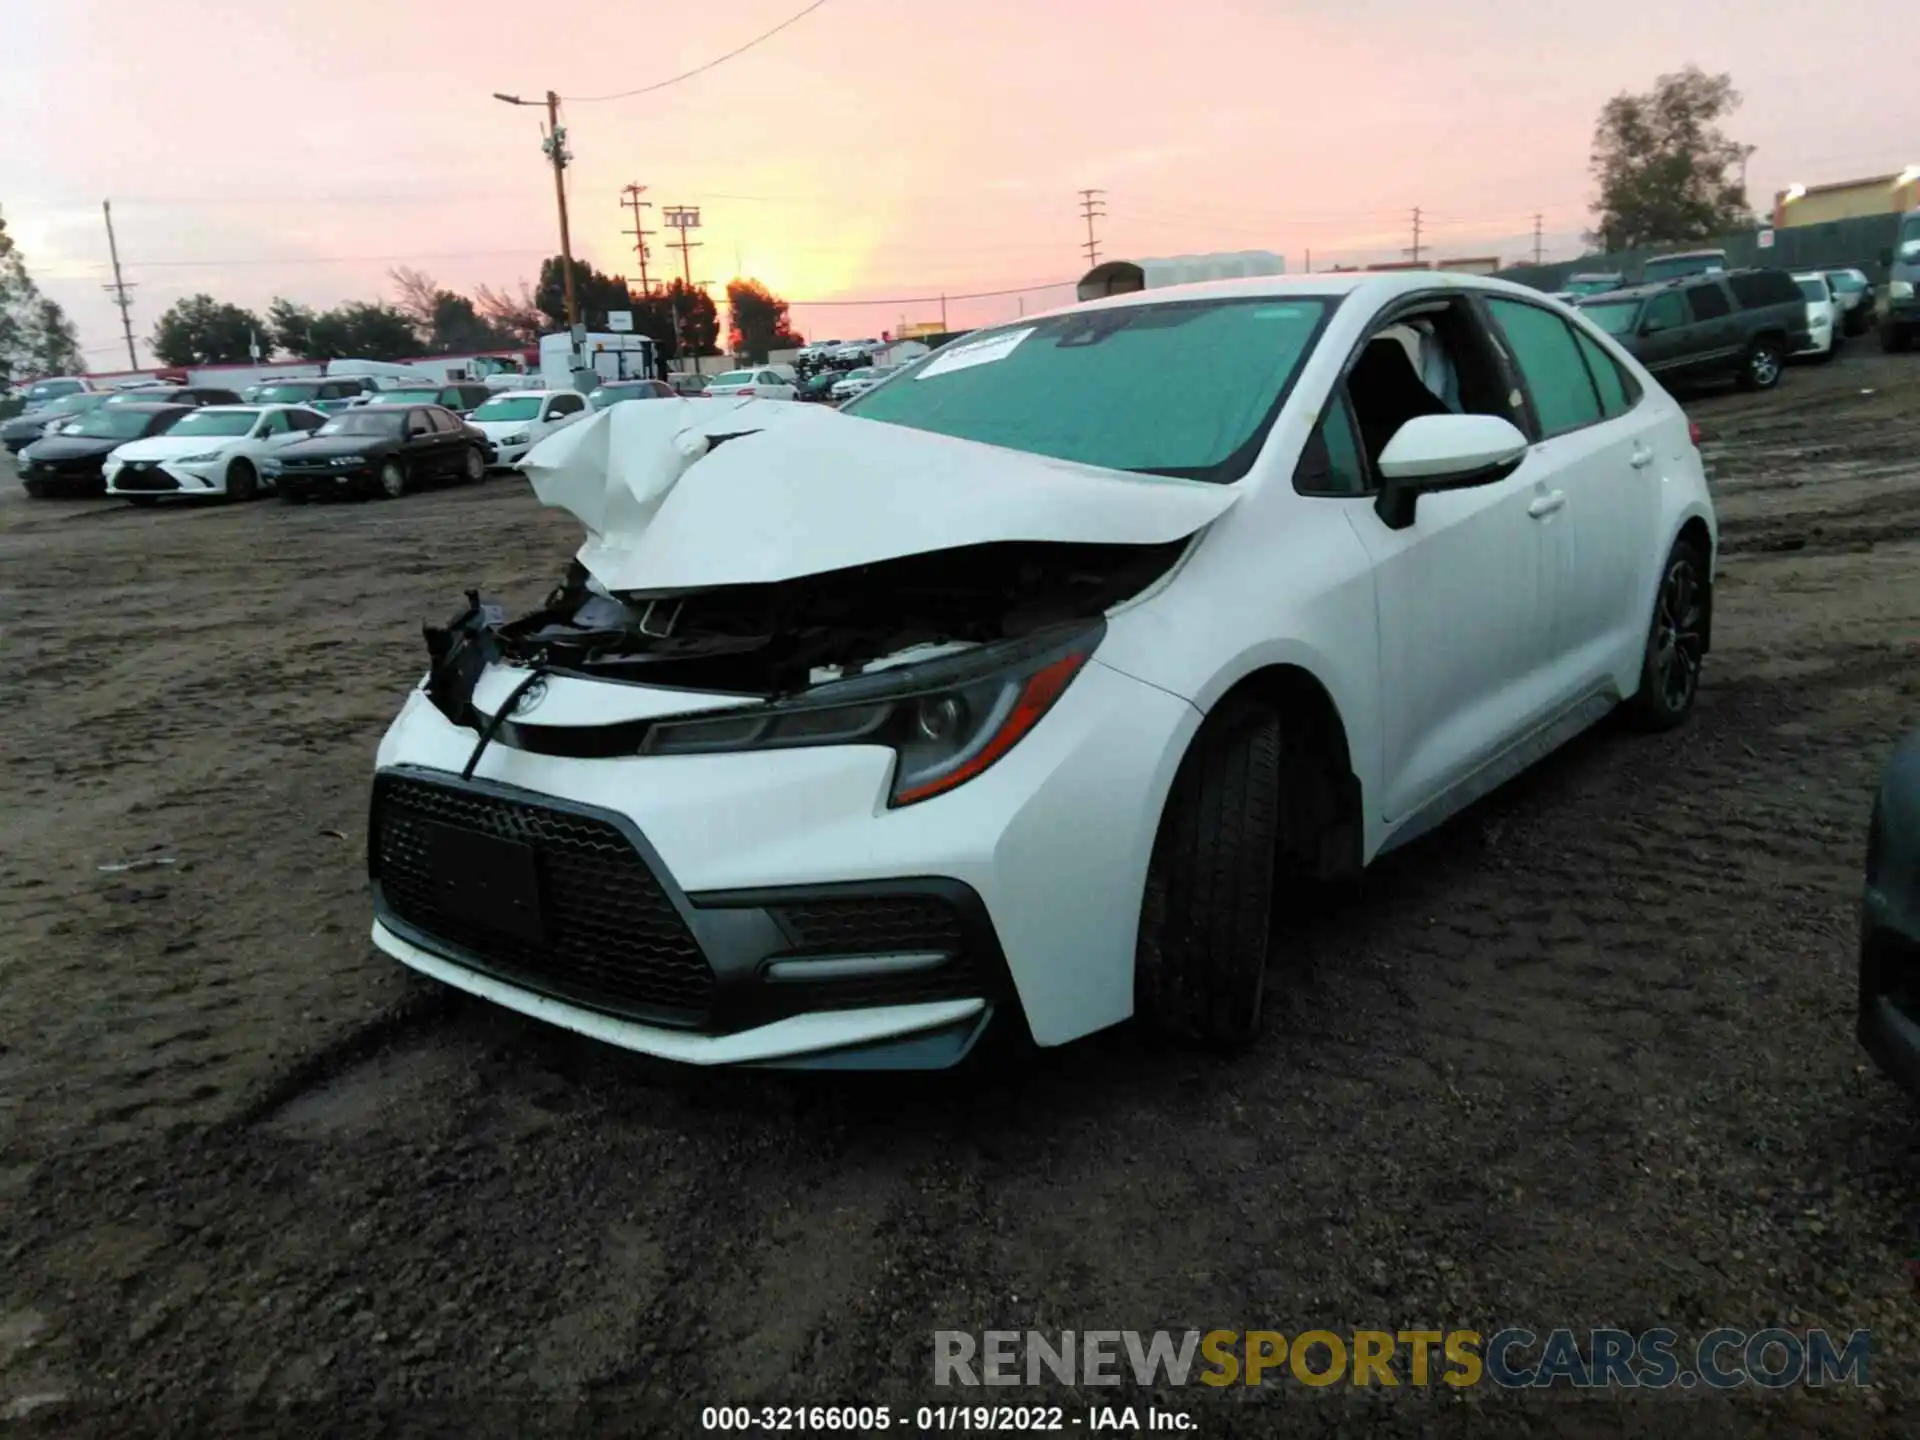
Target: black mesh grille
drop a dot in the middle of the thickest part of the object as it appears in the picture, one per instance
(613, 937)
(131, 479)
(877, 925)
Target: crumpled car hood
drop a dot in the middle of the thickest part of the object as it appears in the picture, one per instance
(689, 494)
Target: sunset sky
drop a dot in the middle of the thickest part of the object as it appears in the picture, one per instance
(877, 149)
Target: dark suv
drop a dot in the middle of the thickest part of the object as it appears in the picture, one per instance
(1737, 324)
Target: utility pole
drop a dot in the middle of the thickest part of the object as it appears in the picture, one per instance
(1415, 251)
(943, 313)
(1309, 261)
(555, 148)
(682, 218)
(1536, 238)
(119, 287)
(639, 232)
(1092, 207)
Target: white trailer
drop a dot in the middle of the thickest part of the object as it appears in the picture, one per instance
(610, 356)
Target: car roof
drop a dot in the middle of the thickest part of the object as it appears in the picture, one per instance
(1379, 285)
(155, 407)
(529, 394)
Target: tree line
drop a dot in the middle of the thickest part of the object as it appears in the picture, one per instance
(425, 318)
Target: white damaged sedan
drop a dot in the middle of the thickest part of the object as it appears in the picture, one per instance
(1014, 697)
(219, 451)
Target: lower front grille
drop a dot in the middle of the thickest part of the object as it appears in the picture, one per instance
(608, 934)
(130, 479)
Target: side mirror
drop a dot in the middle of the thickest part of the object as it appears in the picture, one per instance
(1652, 325)
(1444, 452)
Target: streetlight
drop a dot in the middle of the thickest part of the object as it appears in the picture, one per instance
(555, 146)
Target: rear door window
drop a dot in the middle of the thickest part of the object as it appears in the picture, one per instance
(1707, 302)
(1664, 312)
(1619, 392)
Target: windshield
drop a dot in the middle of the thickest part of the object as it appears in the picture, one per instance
(1813, 288)
(410, 397)
(862, 373)
(363, 422)
(142, 395)
(1672, 265)
(518, 407)
(215, 422)
(1615, 317)
(613, 394)
(1592, 284)
(285, 394)
(74, 404)
(1186, 388)
(53, 389)
(112, 423)
(735, 377)
(1846, 283)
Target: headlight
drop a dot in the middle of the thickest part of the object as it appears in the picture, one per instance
(270, 466)
(348, 460)
(946, 721)
(206, 459)
(1900, 289)
(518, 437)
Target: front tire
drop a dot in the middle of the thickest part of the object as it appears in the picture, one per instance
(1761, 369)
(1676, 642)
(1201, 959)
(393, 481)
(243, 481)
(476, 465)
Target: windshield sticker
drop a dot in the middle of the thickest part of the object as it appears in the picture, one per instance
(965, 357)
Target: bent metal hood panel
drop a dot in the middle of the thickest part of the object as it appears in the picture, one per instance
(682, 495)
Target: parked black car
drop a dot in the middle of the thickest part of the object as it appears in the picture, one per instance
(1735, 324)
(1890, 922)
(616, 392)
(819, 386)
(381, 450)
(462, 397)
(21, 431)
(329, 394)
(73, 463)
(174, 395)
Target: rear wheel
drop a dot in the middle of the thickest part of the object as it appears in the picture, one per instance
(1761, 368)
(1201, 960)
(1676, 642)
(393, 480)
(243, 481)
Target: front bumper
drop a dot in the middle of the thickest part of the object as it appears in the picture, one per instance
(332, 480)
(166, 477)
(505, 457)
(1039, 864)
(76, 478)
(1819, 340)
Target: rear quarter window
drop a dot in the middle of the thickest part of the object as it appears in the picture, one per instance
(1758, 288)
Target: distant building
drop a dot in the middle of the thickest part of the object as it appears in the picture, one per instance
(1472, 265)
(1847, 199)
(920, 329)
(1401, 265)
(1123, 277)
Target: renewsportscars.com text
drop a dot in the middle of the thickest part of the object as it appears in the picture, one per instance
(1513, 1358)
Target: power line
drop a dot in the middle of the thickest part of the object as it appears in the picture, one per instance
(698, 69)
(936, 299)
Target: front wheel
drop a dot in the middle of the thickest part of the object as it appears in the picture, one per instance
(243, 481)
(1201, 959)
(393, 481)
(476, 464)
(1676, 642)
(1761, 371)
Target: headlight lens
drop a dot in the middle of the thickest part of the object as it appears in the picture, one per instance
(946, 721)
(349, 460)
(518, 437)
(1900, 289)
(206, 458)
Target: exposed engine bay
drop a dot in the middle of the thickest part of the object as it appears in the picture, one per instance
(776, 640)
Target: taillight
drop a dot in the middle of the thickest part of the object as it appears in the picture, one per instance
(1693, 431)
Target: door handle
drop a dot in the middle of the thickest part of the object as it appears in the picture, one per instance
(1547, 504)
(1642, 457)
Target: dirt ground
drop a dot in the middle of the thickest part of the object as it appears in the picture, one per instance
(1583, 1058)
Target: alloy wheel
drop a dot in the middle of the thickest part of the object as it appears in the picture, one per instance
(1679, 634)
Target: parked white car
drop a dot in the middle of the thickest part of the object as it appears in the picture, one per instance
(759, 384)
(520, 419)
(1826, 315)
(855, 735)
(1853, 293)
(218, 450)
(856, 382)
